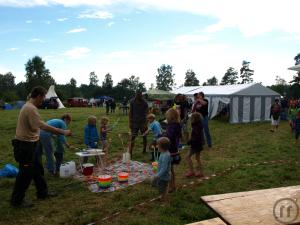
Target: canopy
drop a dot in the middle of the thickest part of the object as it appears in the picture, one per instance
(244, 102)
(159, 94)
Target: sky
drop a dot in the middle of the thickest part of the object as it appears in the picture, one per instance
(135, 37)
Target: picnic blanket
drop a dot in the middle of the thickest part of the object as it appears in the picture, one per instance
(138, 172)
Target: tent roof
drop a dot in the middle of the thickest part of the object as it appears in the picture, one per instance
(159, 94)
(237, 89)
(296, 68)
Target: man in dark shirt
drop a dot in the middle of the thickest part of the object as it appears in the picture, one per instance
(138, 111)
(201, 106)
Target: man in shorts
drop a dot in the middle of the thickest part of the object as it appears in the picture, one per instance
(138, 111)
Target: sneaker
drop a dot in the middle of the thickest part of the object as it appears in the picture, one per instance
(23, 204)
(190, 174)
(199, 175)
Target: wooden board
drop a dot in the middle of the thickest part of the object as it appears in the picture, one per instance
(256, 207)
(214, 221)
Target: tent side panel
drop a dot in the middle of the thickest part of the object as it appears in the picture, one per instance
(240, 109)
(263, 108)
(257, 109)
(246, 109)
(267, 108)
(235, 110)
(252, 99)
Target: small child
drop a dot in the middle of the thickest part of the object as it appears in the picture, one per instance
(297, 125)
(196, 142)
(103, 133)
(91, 136)
(155, 128)
(174, 134)
(161, 179)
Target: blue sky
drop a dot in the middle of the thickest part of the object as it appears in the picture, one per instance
(135, 37)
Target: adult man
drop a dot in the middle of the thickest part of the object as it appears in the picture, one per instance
(181, 101)
(201, 106)
(275, 115)
(25, 145)
(138, 111)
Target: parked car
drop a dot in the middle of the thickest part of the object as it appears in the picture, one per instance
(78, 102)
(50, 103)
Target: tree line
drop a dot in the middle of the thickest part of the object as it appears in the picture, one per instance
(38, 74)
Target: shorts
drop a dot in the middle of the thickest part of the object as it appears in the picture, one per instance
(162, 185)
(136, 128)
(175, 159)
(275, 122)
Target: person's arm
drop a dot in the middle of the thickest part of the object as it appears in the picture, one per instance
(57, 131)
(202, 101)
(146, 132)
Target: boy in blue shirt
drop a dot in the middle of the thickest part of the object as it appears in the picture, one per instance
(155, 128)
(162, 178)
(59, 141)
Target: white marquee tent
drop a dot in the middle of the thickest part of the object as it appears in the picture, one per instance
(247, 102)
(51, 93)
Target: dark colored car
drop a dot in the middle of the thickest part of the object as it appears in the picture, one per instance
(50, 103)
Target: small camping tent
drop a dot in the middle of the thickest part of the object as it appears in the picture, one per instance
(247, 102)
(51, 93)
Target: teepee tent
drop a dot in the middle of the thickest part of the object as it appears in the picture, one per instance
(246, 102)
(51, 93)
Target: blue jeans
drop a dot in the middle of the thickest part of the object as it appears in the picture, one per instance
(206, 131)
(46, 143)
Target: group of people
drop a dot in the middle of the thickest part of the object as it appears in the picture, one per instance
(168, 142)
(293, 115)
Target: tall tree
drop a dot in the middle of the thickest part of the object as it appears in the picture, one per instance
(165, 78)
(108, 82)
(190, 78)
(296, 78)
(37, 74)
(135, 84)
(211, 82)
(93, 79)
(7, 87)
(230, 77)
(246, 73)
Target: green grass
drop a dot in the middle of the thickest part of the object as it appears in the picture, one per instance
(245, 143)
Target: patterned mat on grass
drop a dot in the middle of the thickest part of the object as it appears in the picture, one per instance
(138, 172)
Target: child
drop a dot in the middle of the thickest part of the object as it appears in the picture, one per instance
(174, 134)
(297, 125)
(196, 142)
(292, 115)
(103, 134)
(91, 136)
(155, 127)
(161, 179)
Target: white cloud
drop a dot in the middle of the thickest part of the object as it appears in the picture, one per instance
(110, 24)
(47, 22)
(92, 14)
(12, 49)
(252, 18)
(62, 19)
(76, 30)
(77, 52)
(36, 40)
(28, 21)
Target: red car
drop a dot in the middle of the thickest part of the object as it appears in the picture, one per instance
(78, 102)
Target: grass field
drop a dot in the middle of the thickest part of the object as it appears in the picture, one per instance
(245, 143)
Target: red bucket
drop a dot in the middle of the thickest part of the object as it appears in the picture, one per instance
(88, 169)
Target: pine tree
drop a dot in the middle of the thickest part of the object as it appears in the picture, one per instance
(191, 79)
(165, 78)
(230, 77)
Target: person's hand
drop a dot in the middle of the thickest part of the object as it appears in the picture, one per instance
(67, 133)
(71, 147)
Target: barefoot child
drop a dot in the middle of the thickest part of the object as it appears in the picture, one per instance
(161, 179)
(104, 129)
(196, 142)
(174, 135)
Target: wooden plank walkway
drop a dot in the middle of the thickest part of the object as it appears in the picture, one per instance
(261, 207)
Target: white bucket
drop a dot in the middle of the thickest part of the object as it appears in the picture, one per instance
(72, 167)
(126, 157)
(64, 170)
